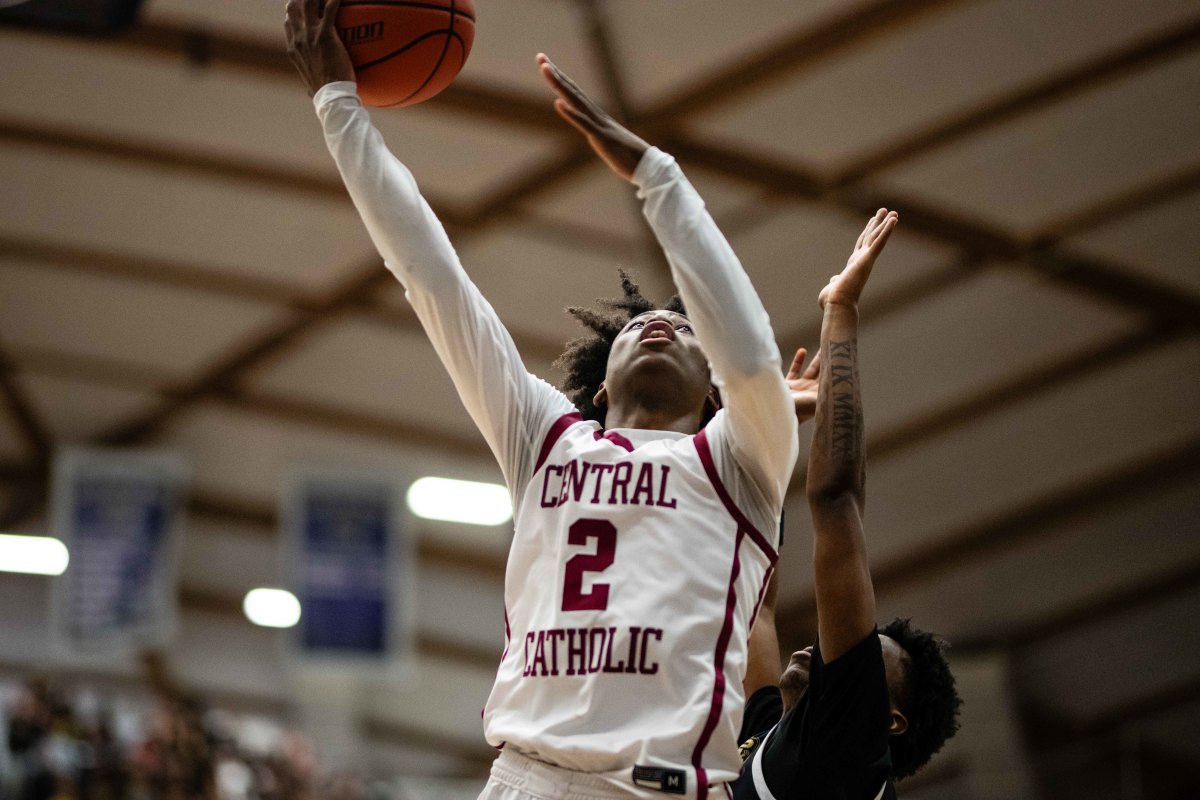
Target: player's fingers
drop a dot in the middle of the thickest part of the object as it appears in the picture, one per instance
(312, 13)
(864, 237)
(797, 367)
(329, 14)
(885, 230)
(578, 120)
(814, 369)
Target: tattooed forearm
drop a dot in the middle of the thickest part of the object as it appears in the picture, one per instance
(845, 406)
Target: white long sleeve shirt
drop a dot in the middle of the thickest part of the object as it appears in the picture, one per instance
(616, 534)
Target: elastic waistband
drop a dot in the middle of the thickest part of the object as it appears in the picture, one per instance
(548, 782)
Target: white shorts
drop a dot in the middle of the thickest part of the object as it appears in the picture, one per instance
(518, 777)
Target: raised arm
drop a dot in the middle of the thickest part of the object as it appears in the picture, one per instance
(724, 309)
(836, 464)
(510, 406)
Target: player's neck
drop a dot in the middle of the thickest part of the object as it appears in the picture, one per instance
(650, 418)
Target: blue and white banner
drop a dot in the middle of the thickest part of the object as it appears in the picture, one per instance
(349, 566)
(120, 514)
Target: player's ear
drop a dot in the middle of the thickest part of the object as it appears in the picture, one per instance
(601, 397)
(899, 723)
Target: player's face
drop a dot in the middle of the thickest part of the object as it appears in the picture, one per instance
(662, 346)
(794, 681)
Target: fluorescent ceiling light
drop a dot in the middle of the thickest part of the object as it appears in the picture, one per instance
(33, 555)
(271, 608)
(460, 501)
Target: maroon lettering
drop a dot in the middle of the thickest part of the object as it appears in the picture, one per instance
(576, 655)
(633, 647)
(598, 471)
(554, 635)
(653, 668)
(550, 502)
(662, 489)
(620, 481)
(528, 669)
(645, 485)
(608, 665)
(539, 653)
(574, 477)
(596, 651)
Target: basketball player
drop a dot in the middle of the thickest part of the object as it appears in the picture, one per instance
(642, 548)
(863, 706)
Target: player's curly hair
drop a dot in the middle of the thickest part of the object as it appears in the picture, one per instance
(585, 360)
(929, 702)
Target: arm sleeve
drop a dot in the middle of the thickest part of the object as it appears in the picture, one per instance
(512, 408)
(730, 322)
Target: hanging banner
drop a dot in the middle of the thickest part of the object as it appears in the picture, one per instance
(349, 564)
(120, 514)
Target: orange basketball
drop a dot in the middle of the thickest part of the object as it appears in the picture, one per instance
(406, 52)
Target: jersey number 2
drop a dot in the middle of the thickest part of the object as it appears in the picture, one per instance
(605, 533)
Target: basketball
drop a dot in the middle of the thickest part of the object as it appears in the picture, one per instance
(406, 52)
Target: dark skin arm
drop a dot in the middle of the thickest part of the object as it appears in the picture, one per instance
(763, 666)
(836, 467)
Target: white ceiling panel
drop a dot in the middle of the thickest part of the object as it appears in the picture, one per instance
(598, 199)
(992, 327)
(530, 281)
(154, 213)
(102, 317)
(1054, 440)
(264, 118)
(1162, 241)
(370, 367)
(257, 18)
(75, 410)
(1120, 133)
(951, 62)
(663, 47)
(223, 557)
(794, 248)
(249, 455)
(1104, 666)
(450, 603)
(1061, 567)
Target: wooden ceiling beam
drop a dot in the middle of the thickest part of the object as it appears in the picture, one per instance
(946, 552)
(23, 413)
(1093, 609)
(808, 45)
(1107, 282)
(1090, 73)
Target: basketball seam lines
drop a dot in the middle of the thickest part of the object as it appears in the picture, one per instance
(408, 4)
(411, 44)
(445, 47)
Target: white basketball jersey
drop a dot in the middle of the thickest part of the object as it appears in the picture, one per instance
(631, 587)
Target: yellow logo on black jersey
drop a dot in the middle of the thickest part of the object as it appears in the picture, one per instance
(747, 747)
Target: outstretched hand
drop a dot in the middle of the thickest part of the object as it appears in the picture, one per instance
(620, 148)
(846, 287)
(313, 44)
(803, 383)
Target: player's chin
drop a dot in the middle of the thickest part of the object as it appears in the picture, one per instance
(794, 679)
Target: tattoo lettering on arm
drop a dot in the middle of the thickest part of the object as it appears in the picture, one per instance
(845, 432)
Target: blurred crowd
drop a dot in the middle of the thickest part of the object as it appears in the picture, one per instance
(57, 748)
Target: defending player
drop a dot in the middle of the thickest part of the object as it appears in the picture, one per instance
(641, 552)
(863, 706)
